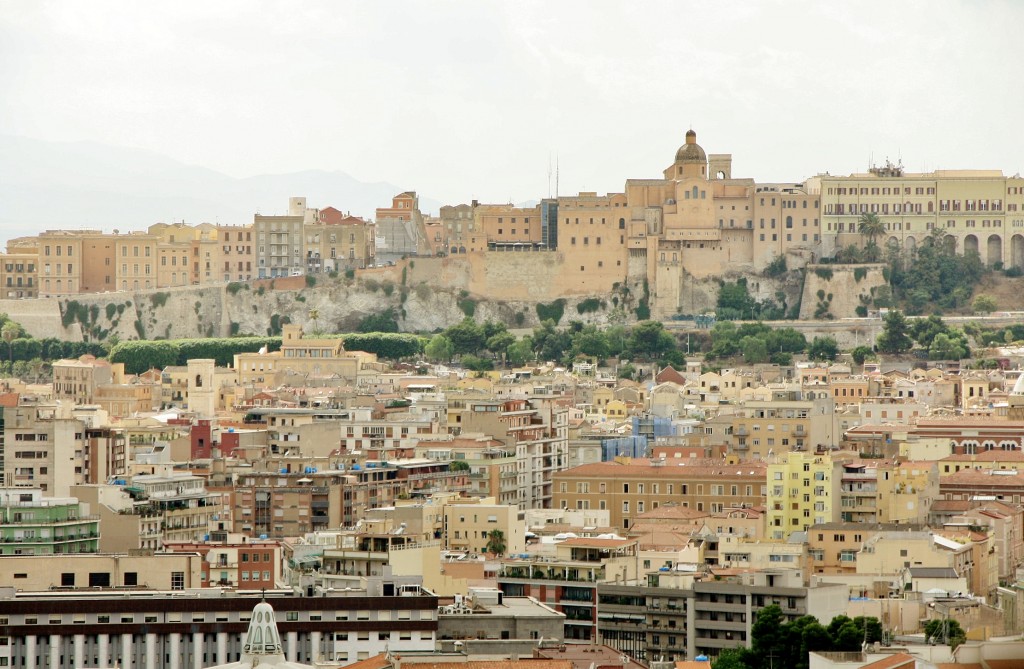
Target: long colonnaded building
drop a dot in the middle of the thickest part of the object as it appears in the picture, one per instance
(192, 629)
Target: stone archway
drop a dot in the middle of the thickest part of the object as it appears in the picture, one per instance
(1017, 251)
(994, 250)
(970, 244)
(911, 245)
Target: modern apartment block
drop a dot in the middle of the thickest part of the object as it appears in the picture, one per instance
(31, 524)
(140, 569)
(675, 615)
(44, 446)
(278, 246)
(568, 580)
(801, 493)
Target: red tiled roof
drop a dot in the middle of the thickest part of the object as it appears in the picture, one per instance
(1002, 478)
(668, 470)
(897, 661)
(1015, 663)
(671, 512)
(376, 662)
(496, 664)
(987, 456)
(670, 374)
(951, 505)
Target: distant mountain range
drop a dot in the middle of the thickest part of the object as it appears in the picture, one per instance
(46, 185)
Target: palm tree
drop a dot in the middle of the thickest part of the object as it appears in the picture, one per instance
(871, 226)
(10, 331)
(496, 542)
(314, 315)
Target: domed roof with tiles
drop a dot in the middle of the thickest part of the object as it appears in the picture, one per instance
(691, 152)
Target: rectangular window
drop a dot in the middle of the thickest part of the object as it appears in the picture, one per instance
(99, 579)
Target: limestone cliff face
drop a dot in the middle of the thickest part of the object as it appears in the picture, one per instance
(835, 291)
(261, 307)
(424, 295)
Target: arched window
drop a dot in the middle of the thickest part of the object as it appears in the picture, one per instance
(694, 192)
(622, 224)
(199, 380)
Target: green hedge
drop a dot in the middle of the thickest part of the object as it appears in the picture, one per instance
(139, 356)
(222, 349)
(390, 345)
(48, 349)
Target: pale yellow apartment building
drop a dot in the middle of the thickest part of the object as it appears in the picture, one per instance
(18, 276)
(974, 210)
(60, 263)
(163, 571)
(135, 260)
(802, 489)
(468, 527)
(173, 252)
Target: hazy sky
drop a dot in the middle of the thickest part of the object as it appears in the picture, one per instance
(462, 100)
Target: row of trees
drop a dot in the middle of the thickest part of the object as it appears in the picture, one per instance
(931, 335)
(20, 347)
(759, 343)
(775, 642)
(480, 345)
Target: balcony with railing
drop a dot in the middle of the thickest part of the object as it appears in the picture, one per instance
(551, 572)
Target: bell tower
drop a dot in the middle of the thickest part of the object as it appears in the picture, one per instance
(202, 397)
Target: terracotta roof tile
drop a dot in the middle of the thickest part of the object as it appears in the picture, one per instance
(987, 456)
(673, 470)
(1016, 663)
(672, 512)
(1003, 479)
(376, 662)
(951, 505)
(496, 664)
(897, 661)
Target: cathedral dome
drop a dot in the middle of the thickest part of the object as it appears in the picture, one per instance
(691, 151)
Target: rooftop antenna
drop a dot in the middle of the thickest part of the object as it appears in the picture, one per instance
(556, 175)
